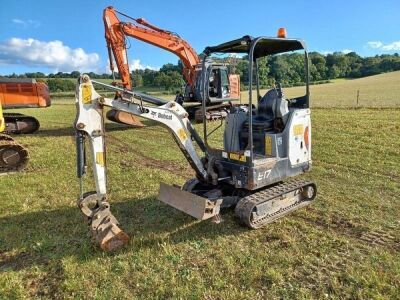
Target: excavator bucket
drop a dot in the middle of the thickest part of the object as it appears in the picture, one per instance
(124, 118)
(103, 225)
(105, 230)
(199, 207)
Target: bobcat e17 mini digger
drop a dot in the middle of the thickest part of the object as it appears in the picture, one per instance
(263, 146)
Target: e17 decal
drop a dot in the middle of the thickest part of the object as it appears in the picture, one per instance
(263, 175)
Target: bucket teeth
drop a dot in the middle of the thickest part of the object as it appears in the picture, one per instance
(103, 225)
(105, 230)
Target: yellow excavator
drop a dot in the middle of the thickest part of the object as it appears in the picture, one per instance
(13, 156)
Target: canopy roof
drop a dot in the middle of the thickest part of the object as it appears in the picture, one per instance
(265, 46)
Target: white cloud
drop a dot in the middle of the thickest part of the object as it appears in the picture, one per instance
(392, 46)
(18, 21)
(346, 51)
(52, 54)
(326, 52)
(136, 65)
(388, 47)
(26, 23)
(375, 44)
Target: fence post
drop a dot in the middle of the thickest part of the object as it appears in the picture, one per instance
(358, 97)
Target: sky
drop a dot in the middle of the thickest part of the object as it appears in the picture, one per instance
(61, 36)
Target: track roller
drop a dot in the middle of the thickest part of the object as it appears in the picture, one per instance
(265, 206)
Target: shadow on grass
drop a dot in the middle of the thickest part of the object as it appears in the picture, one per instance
(44, 238)
(110, 127)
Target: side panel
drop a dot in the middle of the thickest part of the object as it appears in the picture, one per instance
(299, 139)
(23, 94)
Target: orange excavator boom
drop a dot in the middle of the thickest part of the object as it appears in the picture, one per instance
(116, 31)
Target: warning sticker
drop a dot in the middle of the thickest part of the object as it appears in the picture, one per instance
(268, 145)
(100, 158)
(237, 156)
(87, 94)
(298, 129)
(182, 134)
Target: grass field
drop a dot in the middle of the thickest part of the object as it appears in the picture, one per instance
(346, 245)
(377, 91)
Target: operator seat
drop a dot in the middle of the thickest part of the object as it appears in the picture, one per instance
(272, 112)
(271, 117)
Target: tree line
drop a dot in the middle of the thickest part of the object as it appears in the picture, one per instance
(287, 69)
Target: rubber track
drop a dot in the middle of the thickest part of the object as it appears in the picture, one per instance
(213, 113)
(13, 118)
(23, 152)
(246, 205)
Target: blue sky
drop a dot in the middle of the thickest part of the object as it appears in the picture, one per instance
(51, 36)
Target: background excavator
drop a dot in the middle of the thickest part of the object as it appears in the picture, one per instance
(262, 147)
(13, 156)
(22, 93)
(225, 87)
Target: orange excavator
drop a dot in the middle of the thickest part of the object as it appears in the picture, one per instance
(22, 93)
(222, 87)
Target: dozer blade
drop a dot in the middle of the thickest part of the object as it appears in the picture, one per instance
(124, 118)
(199, 207)
(103, 225)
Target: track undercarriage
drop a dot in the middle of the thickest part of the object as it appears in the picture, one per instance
(253, 209)
(20, 124)
(13, 156)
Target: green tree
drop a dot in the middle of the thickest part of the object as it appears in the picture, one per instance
(137, 79)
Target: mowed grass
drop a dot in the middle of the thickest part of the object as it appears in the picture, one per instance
(345, 245)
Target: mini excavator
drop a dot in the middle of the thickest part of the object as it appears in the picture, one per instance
(22, 93)
(13, 156)
(264, 147)
(116, 32)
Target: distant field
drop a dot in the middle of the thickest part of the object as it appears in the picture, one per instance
(375, 91)
(344, 246)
